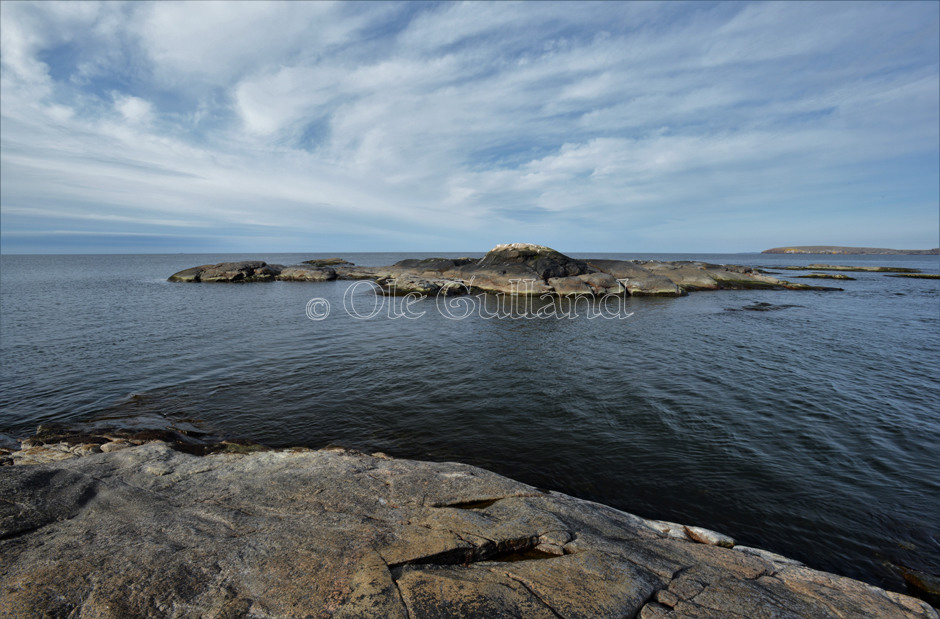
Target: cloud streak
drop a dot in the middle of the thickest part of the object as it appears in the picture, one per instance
(359, 126)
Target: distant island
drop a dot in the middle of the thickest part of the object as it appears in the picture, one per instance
(835, 249)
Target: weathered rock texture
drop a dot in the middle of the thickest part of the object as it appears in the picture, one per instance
(328, 262)
(306, 273)
(517, 268)
(244, 271)
(639, 281)
(254, 271)
(150, 531)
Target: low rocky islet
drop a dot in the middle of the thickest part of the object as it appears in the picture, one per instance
(517, 268)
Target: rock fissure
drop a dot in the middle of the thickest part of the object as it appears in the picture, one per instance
(394, 581)
(652, 598)
(474, 504)
(534, 594)
(24, 531)
(642, 566)
(489, 551)
(466, 541)
(401, 596)
(484, 503)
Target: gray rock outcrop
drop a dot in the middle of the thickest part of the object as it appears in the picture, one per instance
(244, 271)
(638, 280)
(306, 273)
(691, 276)
(150, 531)
(517, 268)
(328, 262)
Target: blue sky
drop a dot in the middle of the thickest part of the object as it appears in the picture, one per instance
(633, 127)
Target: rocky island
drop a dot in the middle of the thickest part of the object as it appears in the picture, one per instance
(862, 251)
(506, 269)
(838, 267)
(123, 525)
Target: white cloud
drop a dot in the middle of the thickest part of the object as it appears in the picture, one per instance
(459, 118)
(268, 103)
(198, 45)
(134, 109)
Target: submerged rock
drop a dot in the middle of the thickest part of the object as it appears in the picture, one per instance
(923, 585)
(826, 276)
(152, 531)
(759, 306)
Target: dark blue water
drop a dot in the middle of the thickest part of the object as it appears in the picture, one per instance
(811, 431)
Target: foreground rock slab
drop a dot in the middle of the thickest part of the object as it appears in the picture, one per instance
(147, 530)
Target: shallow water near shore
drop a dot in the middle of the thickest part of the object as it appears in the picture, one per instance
(810, 430)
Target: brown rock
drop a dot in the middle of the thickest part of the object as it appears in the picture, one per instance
(569, 285)
(505, 267)
(245, 271)
(639, 281)
(149, 531)
(602, 283)
(306, 273)
(328, 262)
(689, 276)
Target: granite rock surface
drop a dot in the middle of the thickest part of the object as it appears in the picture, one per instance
(147, 530)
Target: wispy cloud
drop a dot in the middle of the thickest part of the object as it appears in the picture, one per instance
(357, 126)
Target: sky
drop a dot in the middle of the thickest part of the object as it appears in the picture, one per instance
(325, 127)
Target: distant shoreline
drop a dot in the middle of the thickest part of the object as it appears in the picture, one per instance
(858, 251)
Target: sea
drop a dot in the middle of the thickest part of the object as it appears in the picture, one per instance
(811, 429)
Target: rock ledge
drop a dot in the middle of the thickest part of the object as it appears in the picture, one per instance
(147, 530)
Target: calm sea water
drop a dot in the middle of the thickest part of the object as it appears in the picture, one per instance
(813, 430)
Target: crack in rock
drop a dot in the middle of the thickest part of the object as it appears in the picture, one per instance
(517, 549)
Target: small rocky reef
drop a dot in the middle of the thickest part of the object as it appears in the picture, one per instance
(125, 525)
(517, 268)
(838, 267)
(860, 251)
